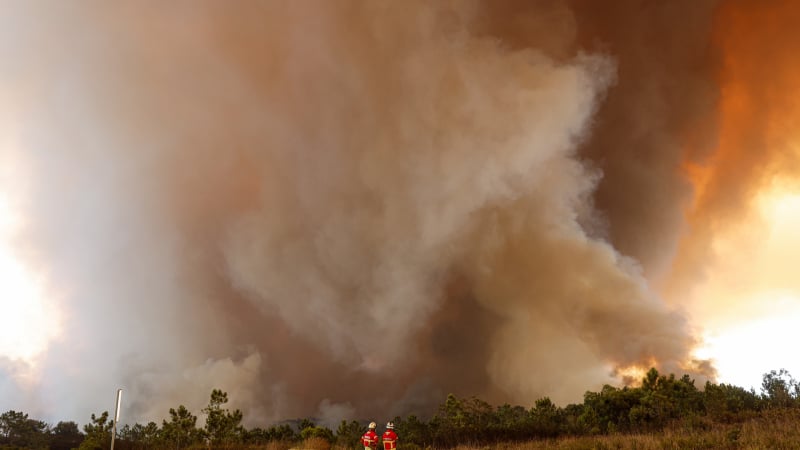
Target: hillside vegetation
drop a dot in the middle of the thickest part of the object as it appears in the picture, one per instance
(665, 412)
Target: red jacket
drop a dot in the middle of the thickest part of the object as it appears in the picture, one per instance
(370, 439)
(389, 439)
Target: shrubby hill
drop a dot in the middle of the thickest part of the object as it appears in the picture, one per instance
(664, 412)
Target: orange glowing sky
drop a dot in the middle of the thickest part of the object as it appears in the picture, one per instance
(747, 298)
(29, 320)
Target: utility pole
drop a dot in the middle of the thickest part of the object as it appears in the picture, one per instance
(116, 418)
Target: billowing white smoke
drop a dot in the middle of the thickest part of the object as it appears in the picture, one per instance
(273, 198)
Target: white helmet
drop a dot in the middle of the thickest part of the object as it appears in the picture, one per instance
(390, 426)
(373, 425)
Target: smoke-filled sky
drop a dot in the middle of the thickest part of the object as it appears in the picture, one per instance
(349, 209)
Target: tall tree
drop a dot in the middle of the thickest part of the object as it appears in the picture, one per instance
(98, 433)
(348, 434)
(223, 427)
(181, 430)
(281, 433)
(413, 431)
(728, 403)
(545, 418)
(144, 436)
(17, 430)
(779, 388)
(65, 435)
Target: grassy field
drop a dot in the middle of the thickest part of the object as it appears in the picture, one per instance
(771, 430)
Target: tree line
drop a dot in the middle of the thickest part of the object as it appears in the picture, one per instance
(660, 400)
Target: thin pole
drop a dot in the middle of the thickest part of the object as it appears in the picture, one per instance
(116, 417)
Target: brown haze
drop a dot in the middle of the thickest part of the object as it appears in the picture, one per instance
(349, 209)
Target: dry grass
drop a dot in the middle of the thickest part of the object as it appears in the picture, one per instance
(278, 445)
(773, 430)
(315, 443)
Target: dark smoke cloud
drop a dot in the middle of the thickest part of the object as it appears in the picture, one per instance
(352, 208)
(658, 117)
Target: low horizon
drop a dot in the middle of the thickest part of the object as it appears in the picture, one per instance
(350, 208)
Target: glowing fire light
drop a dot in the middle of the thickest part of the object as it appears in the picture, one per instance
(751, 306)
(26, 322)
(633, 375)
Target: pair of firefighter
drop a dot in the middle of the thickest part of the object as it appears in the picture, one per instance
(389, 438)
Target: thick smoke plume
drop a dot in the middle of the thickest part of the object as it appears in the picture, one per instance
(351, 208)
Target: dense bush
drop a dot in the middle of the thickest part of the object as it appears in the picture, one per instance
(659, 402)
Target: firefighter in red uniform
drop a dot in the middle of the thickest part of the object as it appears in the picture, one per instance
(389, 437)
(370, 438)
